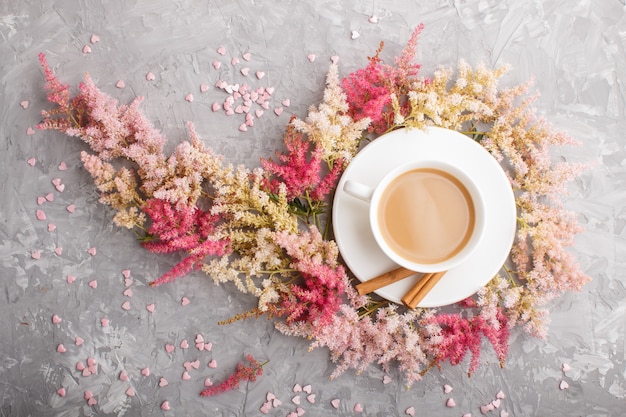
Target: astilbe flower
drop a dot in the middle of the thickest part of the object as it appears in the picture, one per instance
(242, 373)
(370, 90)
(181, 229)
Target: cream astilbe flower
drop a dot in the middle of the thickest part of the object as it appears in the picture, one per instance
(330, 126)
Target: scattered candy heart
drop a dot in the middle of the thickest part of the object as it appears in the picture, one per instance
(199, 338)
(61, 392)
(217, 64)
(276, 402)
(355, 34)
(358, 408)
(286, 102)
(165, 406)
(447, 389)
(563, 385)
(92, 251)
(373, 19)
(265, 407)
(92, 401)
(208, 346)
(504, 414)
(296, 400)
(334, 59)
(200, 345)
(150, 307)
(60, 188)
(128, 292)
(204, 88)
(91, 362)
(386, 379)
(184, 344)
(80, 366)
(496, 403)
(41, 200)
(297, 388)
(270, 396)
(58, 250)
(450, 403)
(61, 348)
(150, 76)
(93, 284)
(221, 50)
(336, 403)
(260, 74)
(208, 382)
(126, 273)
(123, 376)
(40, 214)
(94, 38)
(500, 395)
(247, 56)
(86, 49)
(216, 106)
(120, 84)
(300, 411)
(71, 208)
(56, 319)
(258, 113)
(163, 382)
(270, 90)
(278, 111)
(311, 398)
(36, 254)
(104, 322)
(467, 415)
(186, 376)
(49, 197)
(234, 61)
(130, 392)
(52, 228)
(31, 162)
(62, 166)
(213, 363)
(307, 389)
(566, 368)
(311, 57)
(78, 341)
(243, 127)
(128, 282)
(486, 408)
(24, 104)
(169, 348)
(245, 71)
(410, 411)
(145, 372)
(87, 394)
(189, 97)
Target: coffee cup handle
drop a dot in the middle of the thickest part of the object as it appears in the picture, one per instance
(358, 190)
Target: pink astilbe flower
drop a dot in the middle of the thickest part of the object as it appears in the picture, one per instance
(242, 373)
(181, 229)
(370, 90)
(461, 335)
(319, 297)
(301, 176)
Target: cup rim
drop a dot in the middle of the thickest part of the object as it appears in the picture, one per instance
(479, 221)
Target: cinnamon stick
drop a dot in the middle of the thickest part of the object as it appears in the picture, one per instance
(383, 280)
(416, 294)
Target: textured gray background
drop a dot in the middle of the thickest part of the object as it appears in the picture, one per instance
(574, 49)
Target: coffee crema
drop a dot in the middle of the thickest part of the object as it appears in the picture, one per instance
(426, 215)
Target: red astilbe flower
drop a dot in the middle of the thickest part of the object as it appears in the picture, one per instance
(300, 169)
(181, 229)
(370, 89)
(242, 373)
(460, 335)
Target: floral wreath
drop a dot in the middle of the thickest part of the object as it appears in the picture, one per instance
(267, 230)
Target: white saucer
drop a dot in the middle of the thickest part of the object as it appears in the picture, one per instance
(350, 215)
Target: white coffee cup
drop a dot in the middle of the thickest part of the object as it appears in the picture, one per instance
(434, 196)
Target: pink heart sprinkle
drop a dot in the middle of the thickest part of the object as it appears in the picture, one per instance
(145, 372)
(566, 368)
(92, 251)
(239, 109)
(87, 394)
(186, 376)
(128, 282)
(204, 88)
(36, 254)
(221, 50)
(217, 64)
(467, 415)
(187, 365)
(500, 395)
(184, 301)
(292, 414)
(358, 408)
(195, 364)
(447, 389)
(234, 61)
(355, 34)
(165, 406)
(278, 111)
(93, 284)
(334, 59)
(150, 76)
(258, 113)
(49, 197)
(260, 74)
(221, 84)
(307, 389)
(94, 39)
(120, 84)
(208, 382)
(245, 71)
(60, 188)
(126, 305)
(51, 227)
(310, 398)
(496, 403)
(247, 56)
(41, 200)
(484, 409)
(92, 401)
(61, 348)
(130, 392)
(276, 402)
(123, 376)
(450, 403)
(104, 322)
(336, 403)
(243, 127)
(189, 97)
(563, 385)
(126, 273)
(199, 338)
(296, 400)
(56, 319)
(93, 369)
(86, 372)
(213, 363)
(184, 344)
(70, 279)
(265, 407)
(40, 214)
(410, 411)
(32, 162)
(208, 346)
(78, 341)
(311, 57)
(216, 106)
(270, 90)
(80, 366)
(62, 166)
(56, 181)
(150, 308)
(373, 19)
(163, 382)
(297, 388)
(386, 379)
(504, 414)
(286, 102)
(61, 392)
(169, 348)
(128, 292)
(71, 208)
(24, 104)
(300, 411)
(265, 105)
